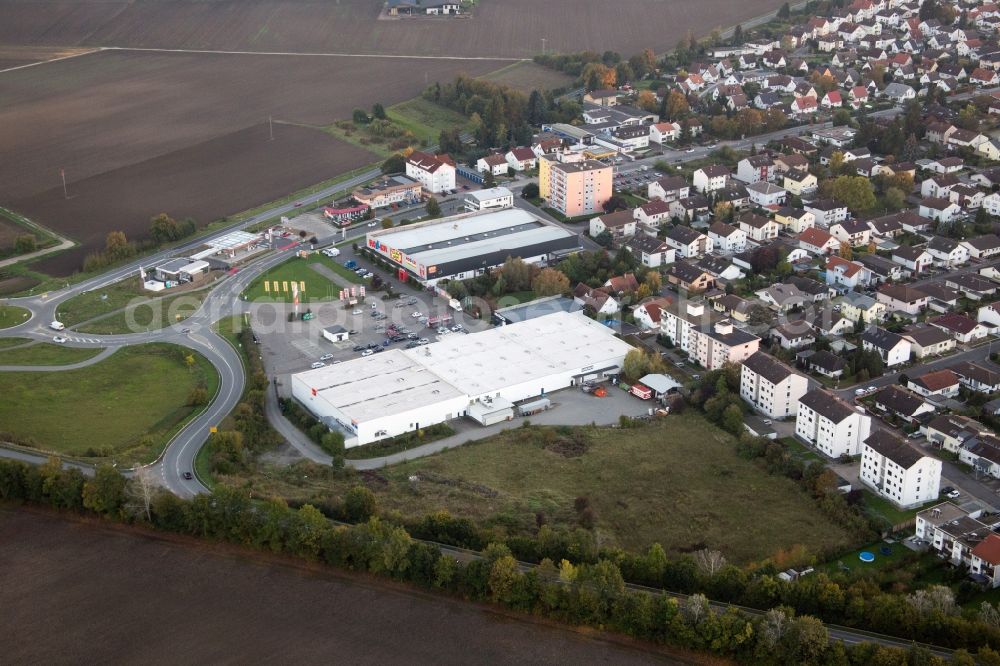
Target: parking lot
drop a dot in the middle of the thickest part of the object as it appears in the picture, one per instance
(637, 179)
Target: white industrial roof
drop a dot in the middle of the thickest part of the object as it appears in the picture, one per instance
(231, 240)
(470, 365)
(487, 195)
(513, 241)
(454, 227)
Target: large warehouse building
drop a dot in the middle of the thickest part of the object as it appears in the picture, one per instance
(466, 245)
(479, 375)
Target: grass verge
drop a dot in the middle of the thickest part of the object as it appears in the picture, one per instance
(314, 286)
(46, 354)
(127, 406)
(12, 315)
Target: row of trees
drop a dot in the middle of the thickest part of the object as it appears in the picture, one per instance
(588, 593)
(117, 248)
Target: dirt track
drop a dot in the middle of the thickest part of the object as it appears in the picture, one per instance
(78, 593)
(499, 27)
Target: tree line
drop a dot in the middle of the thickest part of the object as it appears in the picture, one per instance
(117, 248)
(591, 592)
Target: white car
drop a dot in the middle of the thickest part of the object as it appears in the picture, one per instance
(357, 312)
(859, 391)
(368, 352)
(317, 365)
(326, 357)
(372, 223)
(59, 339)
(954, 494)
(689, 150)
(871, 389)
(416, 315)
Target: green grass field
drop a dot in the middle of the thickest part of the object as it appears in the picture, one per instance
(425, 119)
(150, 315)
(126, 406)
(679, 483)
(46, 354)
(13, 342)
(318, 287)
(889, 512)
(11, 315)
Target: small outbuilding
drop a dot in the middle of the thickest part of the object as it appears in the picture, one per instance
(335, 333)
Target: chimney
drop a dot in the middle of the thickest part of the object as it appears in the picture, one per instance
(695, 309)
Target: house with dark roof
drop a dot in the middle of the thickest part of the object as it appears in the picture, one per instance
(901, 298)
(928, 341)
(771, 387)
(689, 243)
(891, 347)
(831, 425)
(961, 327)
(824, 363)
(893, 469)
(689, 277)
(982, 376)
(650, 250)
(896, 400)
(974, 287)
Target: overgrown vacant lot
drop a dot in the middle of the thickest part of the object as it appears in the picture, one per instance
(678, 483)
(126, 405)
(499, 27)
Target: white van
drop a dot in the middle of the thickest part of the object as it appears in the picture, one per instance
(57, 326)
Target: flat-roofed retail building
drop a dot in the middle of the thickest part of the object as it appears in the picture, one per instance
(463, 246)
(401, 390)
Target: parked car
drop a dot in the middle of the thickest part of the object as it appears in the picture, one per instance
(317, 365)
(368, 352)
(859, 391)
(954, 494)
(356, 312)
(424, 341)
(358, 348)
(326, 357)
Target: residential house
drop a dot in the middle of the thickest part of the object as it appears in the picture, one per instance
(827, 212)
(891, 347)
(668, 188)
(620, 224)
(722, 343)
(928, 341)
(794, 335)
(495, 164)
(758, 228)
(961, 327)
(915, 260)
(771, 387)
(521, 159)
(755, 168)
(690, 277)
(973, 287)
(861, 307)
(983, 247)
(766, 195)
(896, 400)
(989, 314)
(783, 297)
(711, 178)
(689, 243)
(845, 275)
(435, 173)
(817, 242)
(800, 182)
(652, 214)
(939, 210)
(649, 313)
(664, 132)
(831, 425)
(853, 232)
(950, 432)
(881, 269)
(901, 298)
(795, 220)
(825, 363)
(727, 239)
(981, 377)
(896, 471)
(732, 306)
(596, 299)
(936, 384)
(650, 250)
(947, 252)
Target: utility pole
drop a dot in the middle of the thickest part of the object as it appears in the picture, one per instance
(270, 128)
(543, 46)
(62, 173)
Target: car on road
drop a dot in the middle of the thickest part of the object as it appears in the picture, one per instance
(871, 389)
(371, 224)
(326, 357)
(298, 204)
(412, 344)
(689, 150)
(356, 312)
(368, 352)
(859, 391)
(398, 304)
(317, 365)
(59, 339)
(416, 315)
(411, 301)
(412, 336)
(185, 331)
(456, 328)
(187, 476)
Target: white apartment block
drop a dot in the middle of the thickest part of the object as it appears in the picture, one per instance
(831, 425)
(896, 471)
(770, 386)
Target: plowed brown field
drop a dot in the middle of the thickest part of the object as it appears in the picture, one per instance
(144, 133)
(499, 27)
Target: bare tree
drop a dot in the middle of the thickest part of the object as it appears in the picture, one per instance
(141, 490)
(936, 598)
(710, 562)
(774, 626)
(989, 614)
(696, 608)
